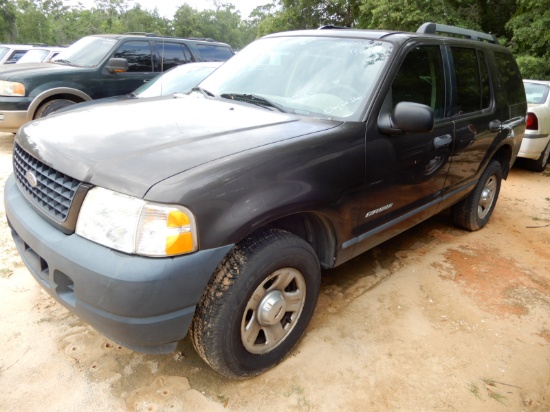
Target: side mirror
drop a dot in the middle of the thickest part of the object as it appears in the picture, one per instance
(407, 117)
(117, 65)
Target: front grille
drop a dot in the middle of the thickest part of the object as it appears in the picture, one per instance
(53, 192)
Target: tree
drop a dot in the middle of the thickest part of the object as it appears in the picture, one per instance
(222, 24)
(8, 27)
(531, 38)
(186, 22)
(138, 20)
(37, 21)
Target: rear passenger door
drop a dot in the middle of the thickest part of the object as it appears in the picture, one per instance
(168, 55)
(474, 113)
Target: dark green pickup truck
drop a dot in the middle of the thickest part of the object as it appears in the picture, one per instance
(94, 67)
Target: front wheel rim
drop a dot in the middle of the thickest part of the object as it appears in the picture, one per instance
(273, 311)
(487, 197)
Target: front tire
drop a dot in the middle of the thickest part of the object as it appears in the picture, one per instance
(473, 212)
(257, 304)
(52, 106)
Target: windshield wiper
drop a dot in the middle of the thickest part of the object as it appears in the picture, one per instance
(254, 99)
(61, 61)
(204, 92)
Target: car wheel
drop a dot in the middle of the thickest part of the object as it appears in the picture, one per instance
(473, 212)
(257, 304)
(51, 106)
(540, 164)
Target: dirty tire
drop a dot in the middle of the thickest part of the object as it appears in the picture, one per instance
(473, 212)
(539, 164)
(49, 107)
(257, 304)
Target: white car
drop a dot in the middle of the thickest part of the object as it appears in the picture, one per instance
(11, 53)
(535, 147)
(40, 54)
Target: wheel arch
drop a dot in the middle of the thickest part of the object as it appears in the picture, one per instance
(315, 229)
(67, 93)
(504, 156)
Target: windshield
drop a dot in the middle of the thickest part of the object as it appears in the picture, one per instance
(87, 52)
(3, 51)
(536, 93)
(314, 76)
(33, 56)
(180, 79)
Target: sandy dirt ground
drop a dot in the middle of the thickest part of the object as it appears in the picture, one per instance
(435, 319)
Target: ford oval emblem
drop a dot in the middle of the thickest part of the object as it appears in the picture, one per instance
(31, 178)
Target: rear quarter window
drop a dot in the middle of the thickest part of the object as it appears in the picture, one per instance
(536, 93)
(510, 78)
(214, 53)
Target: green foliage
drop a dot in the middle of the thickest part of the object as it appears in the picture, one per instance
(223, 24)
(7, 22)
(532, 67)
(531, 38)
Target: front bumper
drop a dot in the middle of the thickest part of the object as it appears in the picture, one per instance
(11, 121)
(145, 304)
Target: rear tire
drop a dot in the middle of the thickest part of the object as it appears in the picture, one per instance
(540, 164)
(53, 105)
(257, 304)
(473, 212)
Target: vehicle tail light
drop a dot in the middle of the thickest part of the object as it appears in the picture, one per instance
(532, 122)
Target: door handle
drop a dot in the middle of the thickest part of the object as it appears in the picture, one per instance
(495, 125)
(443, 141)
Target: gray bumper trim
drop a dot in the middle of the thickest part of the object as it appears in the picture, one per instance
(145, 304)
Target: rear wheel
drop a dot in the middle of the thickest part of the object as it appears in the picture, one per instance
(473, 212)
(540, 164)
(257, 304)
(52, 106)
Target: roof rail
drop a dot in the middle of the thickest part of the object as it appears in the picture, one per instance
(433, 28)
(142, 33)
(330, 26)
(139, 33)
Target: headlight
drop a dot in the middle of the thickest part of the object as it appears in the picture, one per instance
(133, 225)
(11, 88)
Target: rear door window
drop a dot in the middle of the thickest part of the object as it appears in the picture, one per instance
(473, 92)
(536, 93)
(173, 54)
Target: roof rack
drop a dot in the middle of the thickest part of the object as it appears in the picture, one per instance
(433, 28)
(330, 26)
(141, 33)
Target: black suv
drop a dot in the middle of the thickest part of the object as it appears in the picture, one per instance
(301, 152)
(93, 67)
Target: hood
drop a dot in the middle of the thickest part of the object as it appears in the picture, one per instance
(131, 145)
(17, 72)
